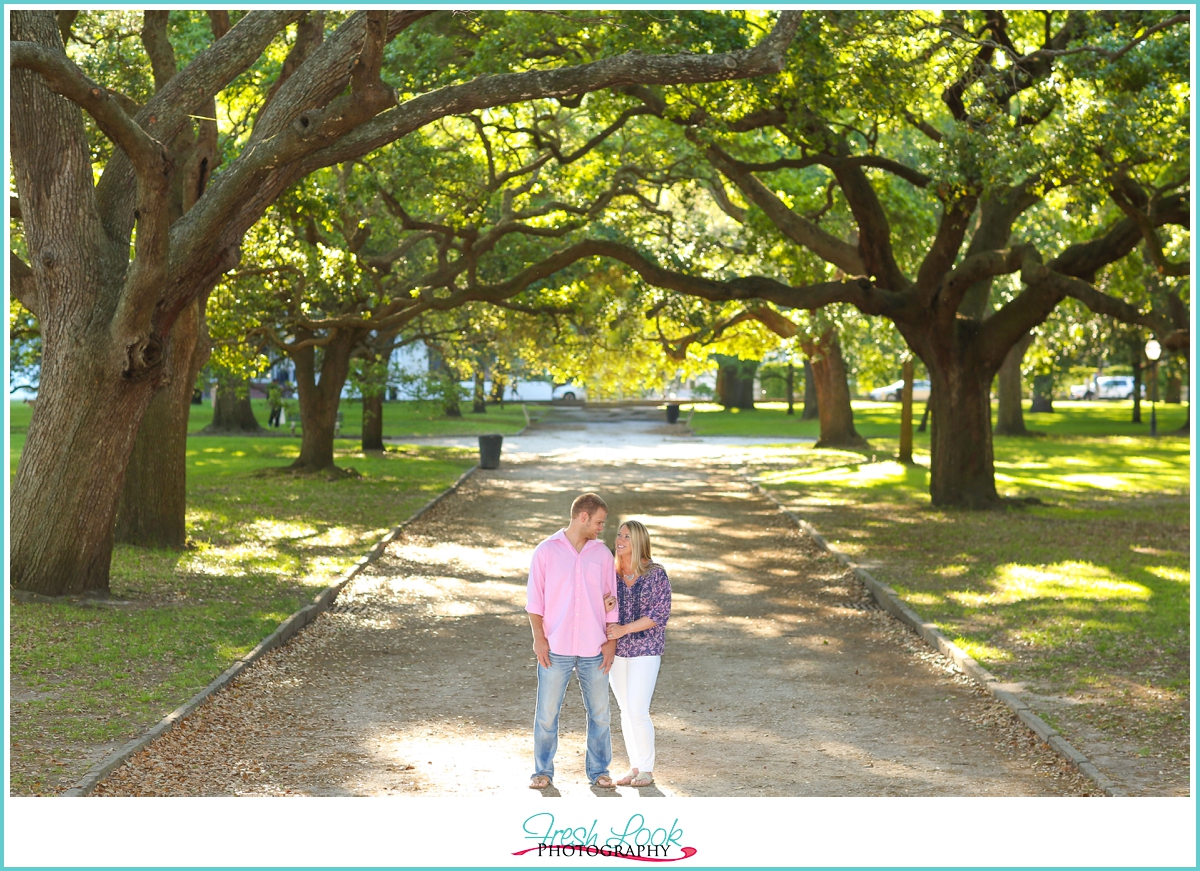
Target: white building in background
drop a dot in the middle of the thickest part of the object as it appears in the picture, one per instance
(413, 360)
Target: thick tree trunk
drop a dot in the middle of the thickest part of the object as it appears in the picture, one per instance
(962, 471)
(154, 498)
(153, 510)
(233, 412)
(735, 383)
(1174, 390)
(319, 398)
(791, 387)
(811, 410)
(372, 422)
(479, 399)
(1010, 418)
(1043, 397)
(94, 391)
(833, 393)
(68, 483)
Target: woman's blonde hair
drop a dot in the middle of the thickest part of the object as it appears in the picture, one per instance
(639, 547)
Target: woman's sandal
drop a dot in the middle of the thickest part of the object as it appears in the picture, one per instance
(539, 781)
(642, 778)
(624, 781)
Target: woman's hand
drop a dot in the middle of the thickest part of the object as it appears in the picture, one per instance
(615, 631)
(610, 602)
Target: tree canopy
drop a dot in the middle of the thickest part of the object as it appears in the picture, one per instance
(134, 204)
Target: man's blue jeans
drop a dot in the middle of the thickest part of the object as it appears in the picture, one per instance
(552, 689)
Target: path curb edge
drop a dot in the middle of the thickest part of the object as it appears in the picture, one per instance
(931, 635)
(286, 630)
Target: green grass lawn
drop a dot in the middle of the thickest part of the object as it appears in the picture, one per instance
(770, 419)
(85, 676)
(400, 419)
(1085, 596)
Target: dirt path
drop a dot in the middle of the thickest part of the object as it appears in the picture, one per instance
(779, 677)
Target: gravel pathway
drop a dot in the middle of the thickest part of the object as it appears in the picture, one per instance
(780, 679)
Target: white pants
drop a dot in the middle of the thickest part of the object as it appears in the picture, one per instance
(632, 680)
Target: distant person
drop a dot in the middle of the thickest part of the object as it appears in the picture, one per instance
(571, 599)
(275, 401)
(643, 605)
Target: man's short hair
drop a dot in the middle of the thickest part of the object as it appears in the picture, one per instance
(588, 503)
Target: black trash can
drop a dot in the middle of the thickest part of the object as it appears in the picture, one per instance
(673, 412)
(489, 450)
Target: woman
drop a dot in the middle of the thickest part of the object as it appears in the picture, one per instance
(644, 604)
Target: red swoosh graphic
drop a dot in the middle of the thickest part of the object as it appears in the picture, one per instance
(688, 852)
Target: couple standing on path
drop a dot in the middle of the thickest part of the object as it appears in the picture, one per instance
(594, 615)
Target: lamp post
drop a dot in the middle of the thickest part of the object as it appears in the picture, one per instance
(1153, 352)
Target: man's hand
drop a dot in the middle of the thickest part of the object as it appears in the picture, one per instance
(541, 645)
(541, 649)
(609, 650)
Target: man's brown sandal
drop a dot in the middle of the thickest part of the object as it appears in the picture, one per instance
(539, 781)
(604, 782)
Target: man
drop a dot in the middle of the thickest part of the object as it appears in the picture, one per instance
(571, 580)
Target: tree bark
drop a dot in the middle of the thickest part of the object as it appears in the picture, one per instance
(735, 383)
(1174, 390)
(153, 508)
(319, 398)
(833, 394)
(791, 387)
(233, 412)
(962, 471)
(1010, 418)
(69, 478)
(906, 415)
(1043, 398)
(811, 409)
(372, 422)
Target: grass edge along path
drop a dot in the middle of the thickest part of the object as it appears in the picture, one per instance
(1085, 599)
(88, 674)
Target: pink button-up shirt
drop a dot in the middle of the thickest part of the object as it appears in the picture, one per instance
(567, 589)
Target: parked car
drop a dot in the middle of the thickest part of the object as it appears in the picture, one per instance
(891, 393)
(1106, 387)
(570, 392)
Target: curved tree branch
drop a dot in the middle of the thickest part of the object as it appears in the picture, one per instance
(796, 227)
(631, 68)
(66, 79)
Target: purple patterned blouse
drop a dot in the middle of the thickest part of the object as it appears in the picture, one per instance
(650, 596)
